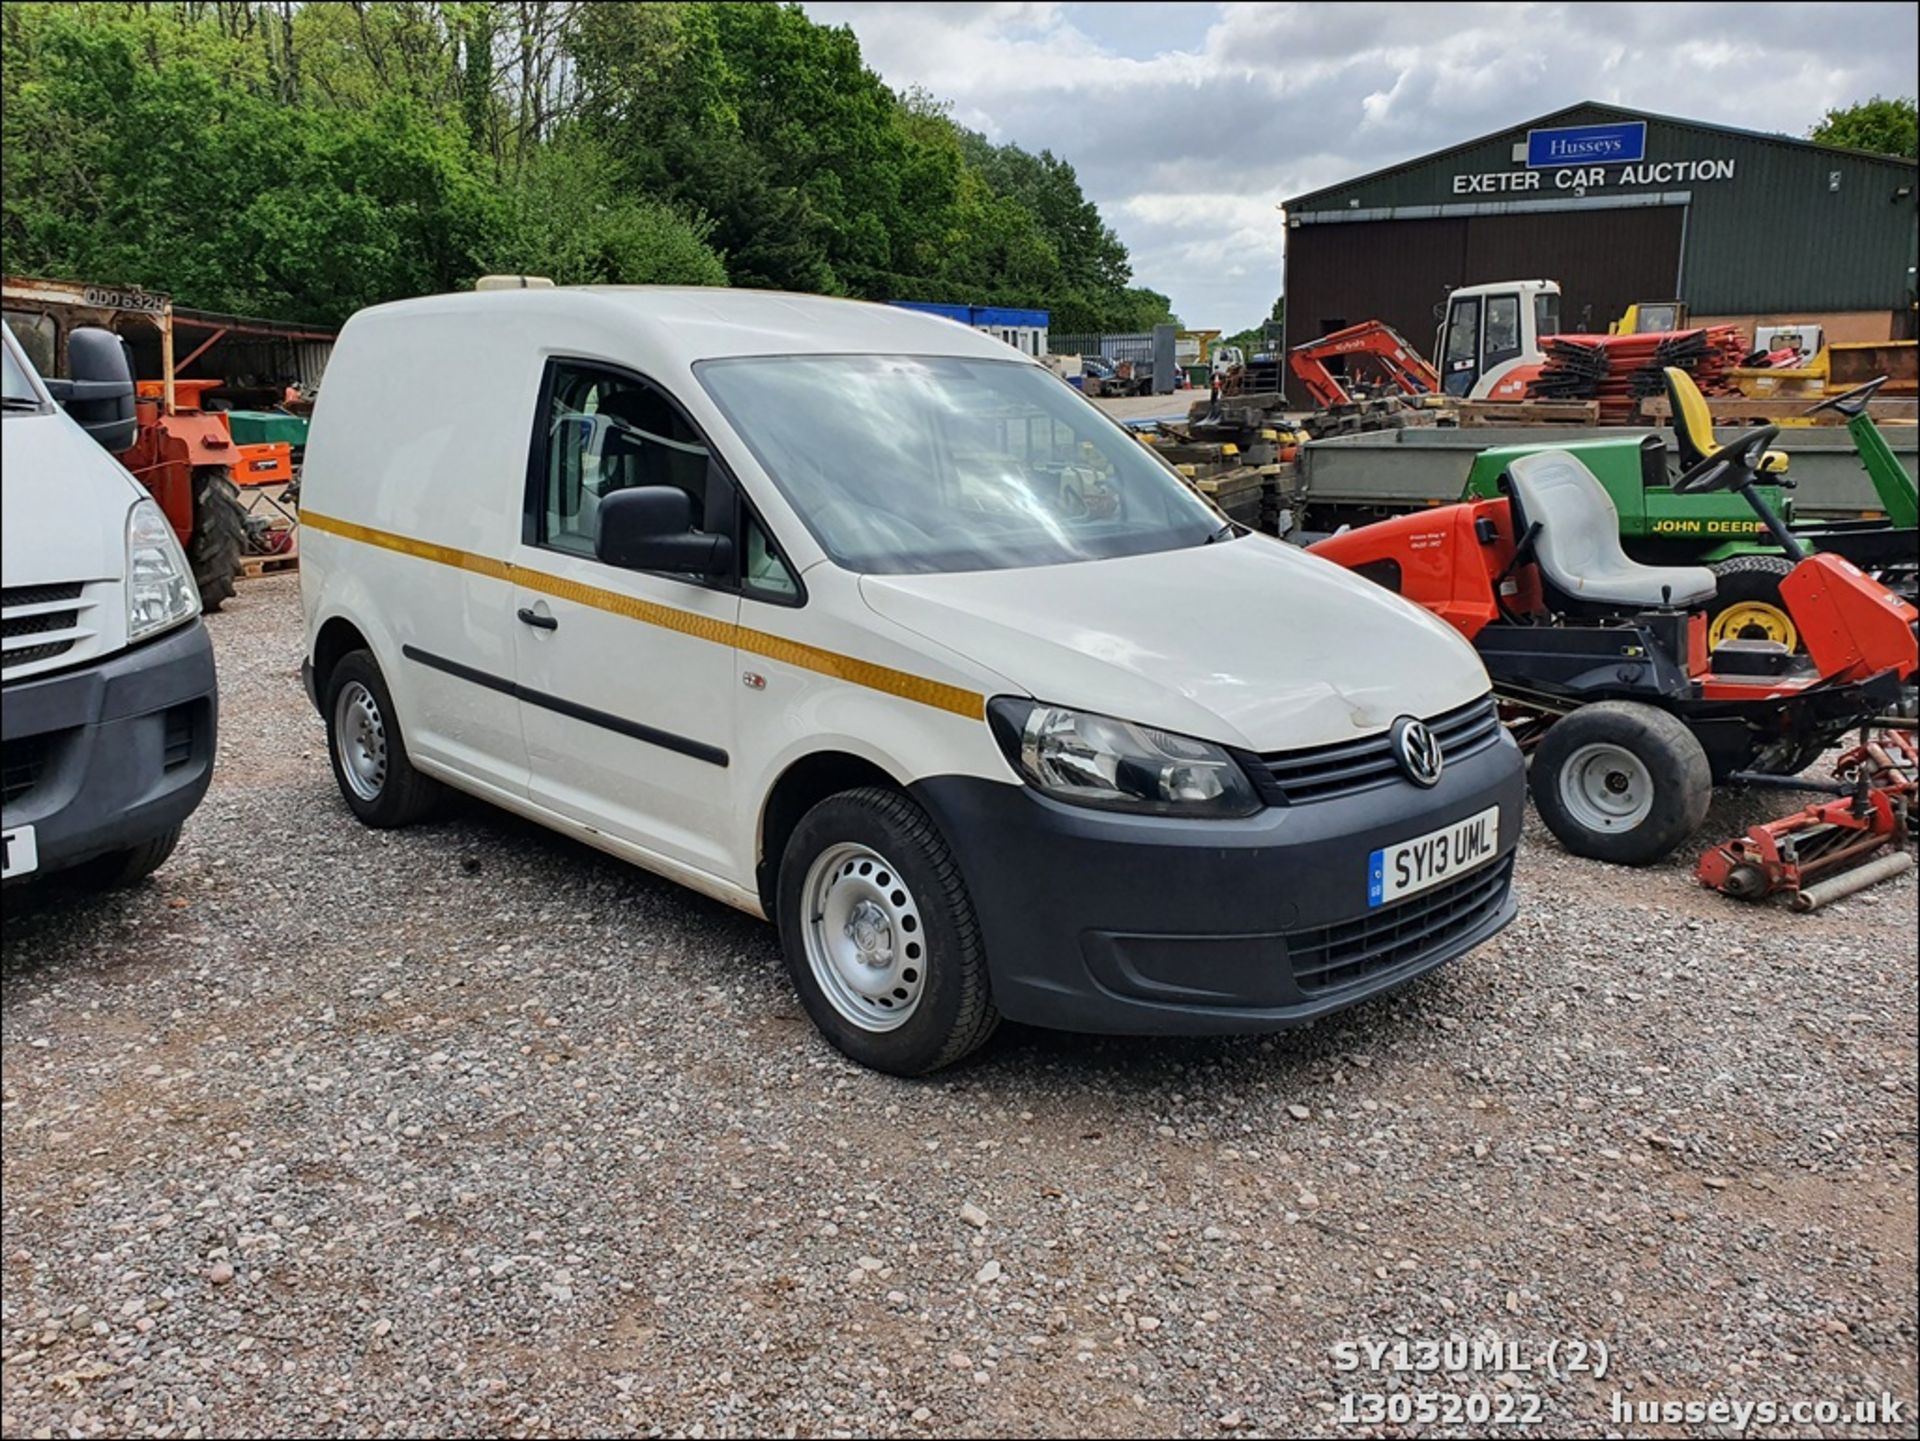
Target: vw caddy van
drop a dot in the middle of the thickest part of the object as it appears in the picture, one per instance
(108, 704)
(864, 623)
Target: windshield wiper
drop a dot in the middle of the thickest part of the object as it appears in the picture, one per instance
(18, 402)
(1226, 532)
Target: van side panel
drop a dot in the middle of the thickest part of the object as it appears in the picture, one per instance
(420, 436)
(796, 711)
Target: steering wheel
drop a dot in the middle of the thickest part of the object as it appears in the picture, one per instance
(1729, 467)
(1853, 401)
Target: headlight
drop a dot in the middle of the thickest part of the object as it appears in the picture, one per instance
(160, 588)
(1095, 760)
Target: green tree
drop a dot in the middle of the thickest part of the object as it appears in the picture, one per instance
(1886, 127)
(308, 159)
(1254, 337)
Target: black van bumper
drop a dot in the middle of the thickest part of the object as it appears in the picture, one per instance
(110, 755)
(1104, 922)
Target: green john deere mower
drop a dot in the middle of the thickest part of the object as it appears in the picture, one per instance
(1659, 526)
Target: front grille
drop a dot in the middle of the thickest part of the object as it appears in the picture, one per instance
(1291, 778)
(38, 652)
(38, 594)
(38, 623)
(1329, 957)
(178, 745)
(21, 764)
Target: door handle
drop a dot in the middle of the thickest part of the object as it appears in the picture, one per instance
(538, 621)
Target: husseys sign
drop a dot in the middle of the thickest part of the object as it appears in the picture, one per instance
(1579, 158)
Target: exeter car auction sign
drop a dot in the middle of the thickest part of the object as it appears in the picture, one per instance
(1579, 158)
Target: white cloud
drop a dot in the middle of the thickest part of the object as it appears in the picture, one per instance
(1187, 134)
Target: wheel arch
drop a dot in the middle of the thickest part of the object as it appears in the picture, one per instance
(802, 785)
(338, 637)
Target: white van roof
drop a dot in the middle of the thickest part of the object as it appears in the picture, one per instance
(694, 323)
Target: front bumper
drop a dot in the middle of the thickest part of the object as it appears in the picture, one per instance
(105, 757)
(1103, 922)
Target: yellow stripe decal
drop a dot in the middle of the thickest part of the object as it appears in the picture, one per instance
(775, 647)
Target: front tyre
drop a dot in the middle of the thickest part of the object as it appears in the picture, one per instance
(119, 869)
(368, 752)
(880, 935)
(1622, 782)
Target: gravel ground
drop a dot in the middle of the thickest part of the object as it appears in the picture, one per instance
(471, 1129)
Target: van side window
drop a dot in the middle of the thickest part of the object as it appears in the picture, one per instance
(609, 432)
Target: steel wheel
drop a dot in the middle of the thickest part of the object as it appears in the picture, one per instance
(864, 939)
(360, 740)
(1753, 620)
(1606, 787)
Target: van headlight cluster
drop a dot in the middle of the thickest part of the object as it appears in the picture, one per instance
(1116, 765)
(160, 588)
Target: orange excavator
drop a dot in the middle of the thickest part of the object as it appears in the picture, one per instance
(1378, 359)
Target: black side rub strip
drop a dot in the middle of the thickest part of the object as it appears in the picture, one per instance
(666, 740)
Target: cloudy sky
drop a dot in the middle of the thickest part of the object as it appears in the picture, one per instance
(1188, 123)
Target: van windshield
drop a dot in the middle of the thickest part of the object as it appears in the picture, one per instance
(937, 463)
(17, 389)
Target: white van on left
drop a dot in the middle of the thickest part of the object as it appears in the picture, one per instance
(107, 676)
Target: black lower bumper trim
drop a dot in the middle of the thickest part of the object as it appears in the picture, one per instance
(1124, 924)
(123, 748)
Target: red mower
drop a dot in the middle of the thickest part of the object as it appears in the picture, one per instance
(1602, 664)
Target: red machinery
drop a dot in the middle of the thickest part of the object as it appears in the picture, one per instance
(1377, 347)
(1871, 807)
(1608, 662)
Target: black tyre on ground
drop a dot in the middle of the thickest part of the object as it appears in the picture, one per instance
(219, 535)
(117, 869)
(368, 752)
(1747, 593)
(880, 935)
(1620, 781)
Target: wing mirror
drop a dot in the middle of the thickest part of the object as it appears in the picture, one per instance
(650, 527)
(99, 391)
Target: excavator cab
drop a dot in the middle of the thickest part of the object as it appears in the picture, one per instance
(1489, 342)
(1693, 427)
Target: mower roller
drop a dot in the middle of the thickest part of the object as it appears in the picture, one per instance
(1831, 848)
(1603, 664)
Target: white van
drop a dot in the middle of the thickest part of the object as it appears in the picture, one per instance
(866, 624)
(107, 698)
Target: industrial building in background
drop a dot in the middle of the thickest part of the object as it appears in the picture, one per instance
(1621, 207)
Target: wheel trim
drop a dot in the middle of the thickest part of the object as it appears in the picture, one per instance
(360, 741)
(1606, 788)
(865, 940)
(1753, 620)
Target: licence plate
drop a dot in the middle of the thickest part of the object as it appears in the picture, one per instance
(18, 854)
(1406, 868)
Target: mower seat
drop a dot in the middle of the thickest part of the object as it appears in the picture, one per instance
(1693, 426)
(1578, 547)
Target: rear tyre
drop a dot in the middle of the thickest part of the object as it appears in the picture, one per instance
(1622, 782)
(118, 869)
(880, 935)
(219, 535)
(368, 752)
(1747, 604)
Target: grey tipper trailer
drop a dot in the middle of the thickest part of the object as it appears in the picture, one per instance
(1351, 479)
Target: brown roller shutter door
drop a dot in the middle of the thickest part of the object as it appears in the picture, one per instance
(1399, 270)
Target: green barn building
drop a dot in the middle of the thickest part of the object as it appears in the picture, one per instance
(1618, 206)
